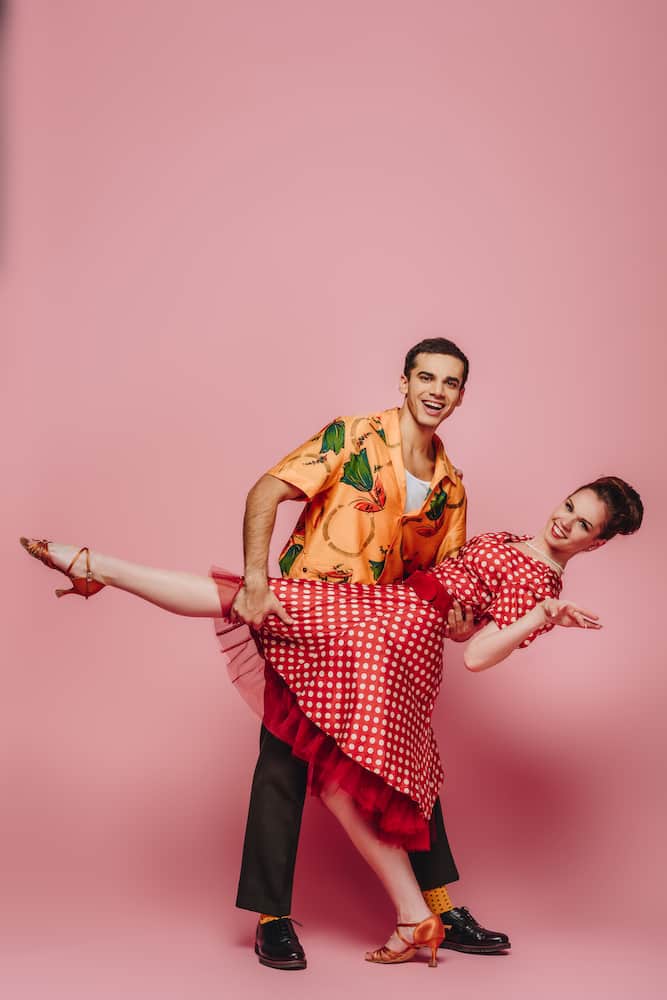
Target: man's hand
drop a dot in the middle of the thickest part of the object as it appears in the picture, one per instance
(253, 605)
(460, 624)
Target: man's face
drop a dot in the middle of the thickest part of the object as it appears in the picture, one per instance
(433, 389)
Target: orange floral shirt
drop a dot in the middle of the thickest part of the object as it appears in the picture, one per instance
(353, 526)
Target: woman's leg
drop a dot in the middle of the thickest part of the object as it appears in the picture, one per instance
(175, 591)
(390, 864)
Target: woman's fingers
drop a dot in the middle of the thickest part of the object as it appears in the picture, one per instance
(587, 614)
(565, 613)
(584, 619)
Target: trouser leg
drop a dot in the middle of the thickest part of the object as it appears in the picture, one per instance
(272, 830)
(435, 867)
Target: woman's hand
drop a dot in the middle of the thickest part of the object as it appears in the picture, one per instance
(567, 614)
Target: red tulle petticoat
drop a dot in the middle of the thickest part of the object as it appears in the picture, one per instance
(395, 817)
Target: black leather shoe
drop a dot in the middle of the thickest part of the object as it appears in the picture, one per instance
(277, 945)
(468, 936)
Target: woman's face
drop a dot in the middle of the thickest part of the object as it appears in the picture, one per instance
(576, 524)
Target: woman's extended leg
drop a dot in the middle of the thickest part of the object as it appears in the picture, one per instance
(175, 591)
(390, 864)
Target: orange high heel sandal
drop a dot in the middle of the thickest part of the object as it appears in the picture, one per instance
(430, 933)
(84, 586)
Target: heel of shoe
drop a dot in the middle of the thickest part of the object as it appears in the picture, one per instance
(82, 587)
(429, 933)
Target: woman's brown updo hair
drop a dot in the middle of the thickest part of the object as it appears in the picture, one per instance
(624, 506)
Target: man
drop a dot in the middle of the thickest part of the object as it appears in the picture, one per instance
(364, 527)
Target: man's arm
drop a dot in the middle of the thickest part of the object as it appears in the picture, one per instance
(255, 601)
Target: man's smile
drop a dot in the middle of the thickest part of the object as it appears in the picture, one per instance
(431, 406)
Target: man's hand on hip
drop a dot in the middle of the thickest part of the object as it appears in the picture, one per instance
(253, 604)
(460, 623)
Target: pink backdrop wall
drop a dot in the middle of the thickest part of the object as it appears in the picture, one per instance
(227, 223)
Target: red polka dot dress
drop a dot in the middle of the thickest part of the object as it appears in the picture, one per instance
(352, 684)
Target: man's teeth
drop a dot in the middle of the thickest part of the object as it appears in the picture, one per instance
(434, 406)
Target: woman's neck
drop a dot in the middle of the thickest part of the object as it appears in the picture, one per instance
(541, 544)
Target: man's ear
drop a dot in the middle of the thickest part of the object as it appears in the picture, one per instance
(403, 385)
(597, 544)
(461, 395)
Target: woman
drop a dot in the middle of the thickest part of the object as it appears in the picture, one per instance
(352, 683)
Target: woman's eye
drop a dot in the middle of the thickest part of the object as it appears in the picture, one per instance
(568, 505)
(584, 525)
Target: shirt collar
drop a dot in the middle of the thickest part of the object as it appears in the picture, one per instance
(443, 467)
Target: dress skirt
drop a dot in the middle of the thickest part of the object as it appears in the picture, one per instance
(351, 687)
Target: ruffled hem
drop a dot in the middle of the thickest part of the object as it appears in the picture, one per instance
(239, 645)
(395, 818)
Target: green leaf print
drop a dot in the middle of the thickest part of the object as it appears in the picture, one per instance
(357, 472)
(333, 437)
(376, 568)
(380, 431)
(286, 561)
(437, 506)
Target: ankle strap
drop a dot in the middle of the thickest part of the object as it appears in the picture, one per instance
(80, 552)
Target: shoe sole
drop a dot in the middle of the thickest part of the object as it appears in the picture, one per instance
(472, 949)
(292, 965)
(285, 966)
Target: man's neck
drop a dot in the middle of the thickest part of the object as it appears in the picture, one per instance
(417, 443)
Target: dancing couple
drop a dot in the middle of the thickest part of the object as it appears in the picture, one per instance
(345, 649)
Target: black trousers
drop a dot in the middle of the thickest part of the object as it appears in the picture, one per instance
(272, 834)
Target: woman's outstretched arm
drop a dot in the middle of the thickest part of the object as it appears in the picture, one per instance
(491, 644)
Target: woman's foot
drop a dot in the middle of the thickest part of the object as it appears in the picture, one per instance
(74, 563)
(409, 936)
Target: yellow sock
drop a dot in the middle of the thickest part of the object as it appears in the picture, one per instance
(438, 900)
(265, 918)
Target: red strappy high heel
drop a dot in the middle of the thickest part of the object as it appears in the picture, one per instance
(84, 586)
(430, 933)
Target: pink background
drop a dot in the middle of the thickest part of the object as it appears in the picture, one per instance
(227, 223)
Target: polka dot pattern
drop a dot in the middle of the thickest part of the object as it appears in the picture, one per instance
(365, 662)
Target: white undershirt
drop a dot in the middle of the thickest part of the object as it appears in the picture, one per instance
(415, 492)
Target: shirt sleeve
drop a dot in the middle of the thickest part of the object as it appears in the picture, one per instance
(455, 525)
(316, 465)
(509, 605)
